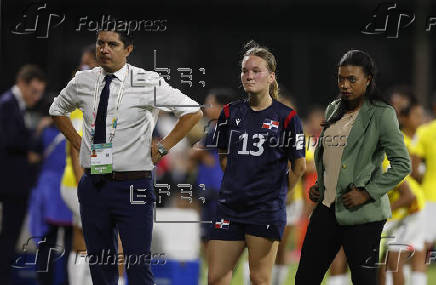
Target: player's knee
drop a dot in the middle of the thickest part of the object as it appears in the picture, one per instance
(259, 278)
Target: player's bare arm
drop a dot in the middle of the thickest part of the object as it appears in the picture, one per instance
(296, 172)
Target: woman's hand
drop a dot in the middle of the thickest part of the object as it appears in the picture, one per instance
(314, 193)
(355, 197)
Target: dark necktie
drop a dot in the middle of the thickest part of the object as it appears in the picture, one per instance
(100, 118)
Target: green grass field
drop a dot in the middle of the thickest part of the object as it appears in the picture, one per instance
(238, 274)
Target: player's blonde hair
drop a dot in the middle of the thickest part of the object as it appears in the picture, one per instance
(253, 48)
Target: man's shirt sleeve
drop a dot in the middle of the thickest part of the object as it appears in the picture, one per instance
(66, 101)
(173, 100)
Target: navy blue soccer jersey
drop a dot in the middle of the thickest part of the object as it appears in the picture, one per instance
(259, 145)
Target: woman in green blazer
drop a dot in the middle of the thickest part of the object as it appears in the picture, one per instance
(360, 128)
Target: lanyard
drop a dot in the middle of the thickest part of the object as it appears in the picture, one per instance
(119, 98)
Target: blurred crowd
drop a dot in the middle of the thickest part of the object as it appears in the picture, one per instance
(39, 173)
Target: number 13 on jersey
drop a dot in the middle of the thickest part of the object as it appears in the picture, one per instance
(259, 139)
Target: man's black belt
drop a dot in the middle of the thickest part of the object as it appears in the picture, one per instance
(124, 175)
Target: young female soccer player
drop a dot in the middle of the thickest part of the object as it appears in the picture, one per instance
(256, 138)
(351, 187)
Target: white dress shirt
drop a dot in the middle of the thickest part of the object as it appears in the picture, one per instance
(137, 114)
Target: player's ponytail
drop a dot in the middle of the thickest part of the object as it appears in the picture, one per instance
(253, 48)
(274, 90)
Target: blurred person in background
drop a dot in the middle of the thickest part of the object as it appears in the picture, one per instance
(88, 60)
(16, 157)
(78, 267)
(49, 217)
(424, 153)
(205, 157)
(312, 129)
(404, 232)
(399, 97)
(294, 209)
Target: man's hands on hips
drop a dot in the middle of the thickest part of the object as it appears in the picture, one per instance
(155, 155)
(355, 197)
(180, 130)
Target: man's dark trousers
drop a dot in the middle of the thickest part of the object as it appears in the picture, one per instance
(107, 207)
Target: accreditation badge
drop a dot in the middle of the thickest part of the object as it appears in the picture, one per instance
(101, 158)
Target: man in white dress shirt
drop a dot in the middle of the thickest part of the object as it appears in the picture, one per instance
(120, 105)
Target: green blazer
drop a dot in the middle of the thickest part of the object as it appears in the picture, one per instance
(374, 133)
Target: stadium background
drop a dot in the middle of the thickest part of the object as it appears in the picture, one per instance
(306, 36)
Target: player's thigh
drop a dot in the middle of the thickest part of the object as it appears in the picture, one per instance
(339, 264)
(261, 256)
(396, 260)
(222, 256)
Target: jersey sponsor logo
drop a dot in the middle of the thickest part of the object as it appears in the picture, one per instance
(223, 224)
(270, 124)
(238, 121)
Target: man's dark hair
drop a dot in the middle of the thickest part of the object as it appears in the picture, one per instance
(29, 72)
(125, 36)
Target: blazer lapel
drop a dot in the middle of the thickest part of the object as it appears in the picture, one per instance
(359, 126)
